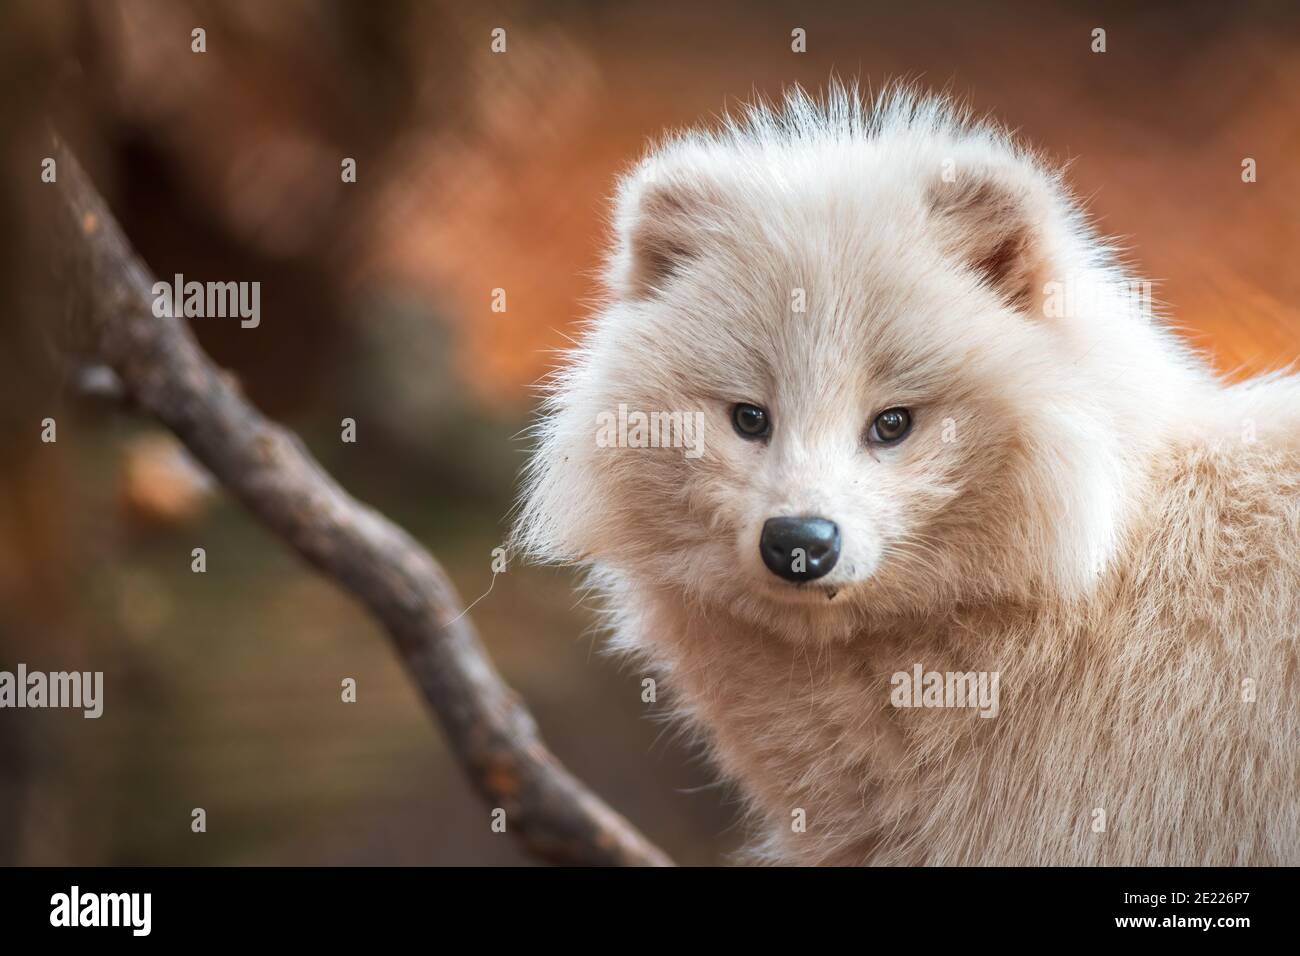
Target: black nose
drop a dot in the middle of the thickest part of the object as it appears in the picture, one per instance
(800, 549)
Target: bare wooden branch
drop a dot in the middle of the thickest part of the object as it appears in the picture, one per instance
(267, 467)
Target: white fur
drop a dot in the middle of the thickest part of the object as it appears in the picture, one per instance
(1080, 506)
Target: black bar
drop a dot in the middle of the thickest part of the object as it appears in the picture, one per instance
(437, 906)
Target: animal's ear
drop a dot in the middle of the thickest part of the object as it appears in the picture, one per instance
(1005, 223)
(659, 220)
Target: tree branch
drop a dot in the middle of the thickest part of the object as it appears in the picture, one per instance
(267, 468)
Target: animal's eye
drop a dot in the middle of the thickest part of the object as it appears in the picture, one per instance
(891, 426)
(750, 421)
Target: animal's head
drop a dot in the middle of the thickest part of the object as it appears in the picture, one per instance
(840, 322)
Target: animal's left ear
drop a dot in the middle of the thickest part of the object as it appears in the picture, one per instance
(661, 219)
(1005, 222)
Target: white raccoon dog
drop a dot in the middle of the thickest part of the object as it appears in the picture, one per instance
(972, 561)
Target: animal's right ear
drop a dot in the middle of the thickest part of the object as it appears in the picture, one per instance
(1004, 220)
(659, 222)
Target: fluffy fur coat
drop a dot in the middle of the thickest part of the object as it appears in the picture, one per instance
(1080, 507)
